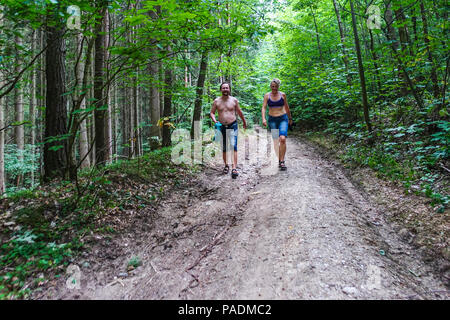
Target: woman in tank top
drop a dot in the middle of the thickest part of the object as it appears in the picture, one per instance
(279, 119)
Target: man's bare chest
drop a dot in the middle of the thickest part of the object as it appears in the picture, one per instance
(228, 106)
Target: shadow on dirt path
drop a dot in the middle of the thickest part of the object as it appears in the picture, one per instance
(306, 233)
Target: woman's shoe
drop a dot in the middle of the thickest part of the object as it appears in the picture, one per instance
(226, 169)
(282, 166)
(234, 173)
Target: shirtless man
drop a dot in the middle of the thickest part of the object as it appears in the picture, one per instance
(227, 107)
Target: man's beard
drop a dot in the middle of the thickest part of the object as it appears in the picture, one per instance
(226, 93)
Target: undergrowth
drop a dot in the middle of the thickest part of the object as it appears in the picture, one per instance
(46, 225)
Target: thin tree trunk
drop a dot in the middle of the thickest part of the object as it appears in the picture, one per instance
(33, 104)
(155, 132)
(42, 102)
(125, 124)
(391, 30)
(344, 50)
(317, 36)
(199, 93)
(361, 70)
(19, 132)
(108, 129)
(83, 140)
(2, 143)
(403, 31)
(434, 78)
(168, 79)
(2, 125)
(375, 62)
(101, 145)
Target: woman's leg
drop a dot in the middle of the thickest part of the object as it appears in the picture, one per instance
(273, 125)
(284, 124)
(282, 147)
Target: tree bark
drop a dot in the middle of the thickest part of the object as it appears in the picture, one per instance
(19, 132)
(361, 70)
(2, 125)
(33, 103)
(342, 37)
(100, 113)
(434, 78)
(168, 79)
(317, 36)
(55, 161)
(199, 93)
(83, 140)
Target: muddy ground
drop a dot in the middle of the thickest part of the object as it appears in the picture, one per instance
(310, 232)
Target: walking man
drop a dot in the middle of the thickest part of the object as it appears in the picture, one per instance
(227, 107)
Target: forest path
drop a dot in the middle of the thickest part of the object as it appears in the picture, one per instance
(306, 233)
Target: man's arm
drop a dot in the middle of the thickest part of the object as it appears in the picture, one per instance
(239, 112)
(212, 113)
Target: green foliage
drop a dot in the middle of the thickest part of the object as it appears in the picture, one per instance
(15, 167)
(135, 262)
(29, 253)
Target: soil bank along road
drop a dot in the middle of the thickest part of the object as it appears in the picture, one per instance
(304, 233)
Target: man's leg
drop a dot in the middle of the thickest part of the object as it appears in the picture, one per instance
(235, 159)
(224, 149)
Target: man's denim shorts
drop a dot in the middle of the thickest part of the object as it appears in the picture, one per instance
(232, 131)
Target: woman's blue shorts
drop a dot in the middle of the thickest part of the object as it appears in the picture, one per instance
(281, 123)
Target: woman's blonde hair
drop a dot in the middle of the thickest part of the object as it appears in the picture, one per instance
(277, 81)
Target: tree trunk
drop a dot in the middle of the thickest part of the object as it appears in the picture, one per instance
(168, 79)
(403, 31)
(108, 129)
(361, 70)
(100, 113)
(2, 144)
(199, 93)
(2, 125)
(375, 63)
(55, 160)
(33, 103)
(344, 50)
(317, 36)
(155, 132)
(125, 123)
(83, 140)
(19, 132)
(434, 78)
(391, 30)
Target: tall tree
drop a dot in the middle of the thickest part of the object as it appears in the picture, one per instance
(2, 122)
(100, 95)
(19, 132)
(55, 148)
(361, 70)
(426, 39)
(168, 82)
(342, 38)
(196, 118)
(33, 104)
(83, 140)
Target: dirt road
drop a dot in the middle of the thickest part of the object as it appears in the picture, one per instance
(306, 233)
